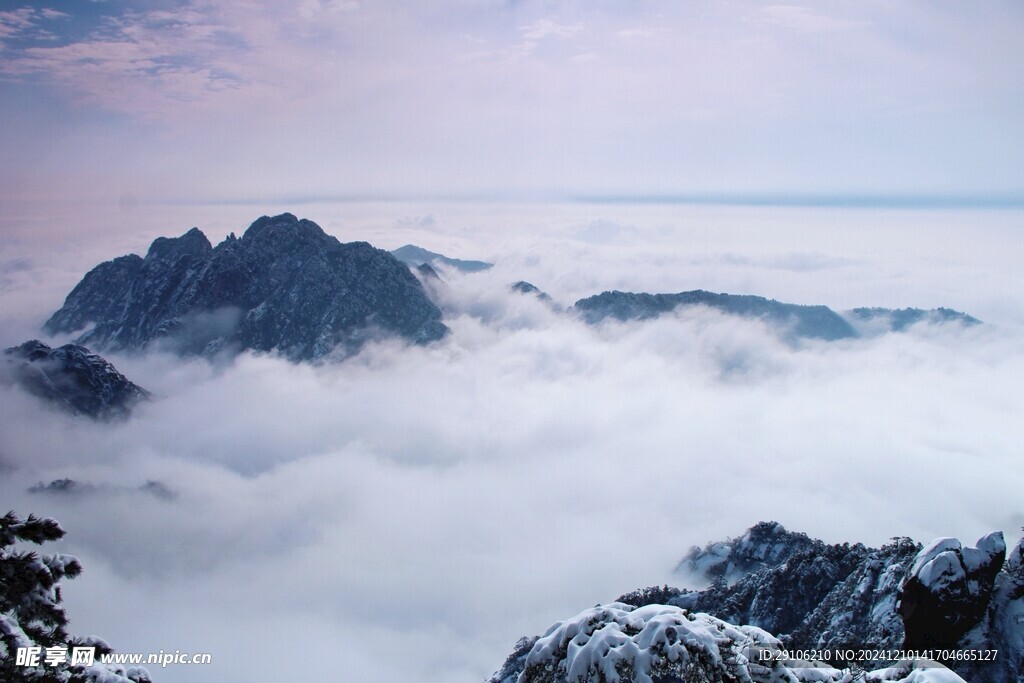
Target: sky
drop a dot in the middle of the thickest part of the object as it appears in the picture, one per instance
(179, 101)
(410, 513)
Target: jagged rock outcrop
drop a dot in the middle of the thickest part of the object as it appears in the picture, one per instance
(284, 286)
(779, 598)
(417, 256)
(645, 644)
(72, 378)
(1001, 627)
(766, 544)
(816, 322)
(860, 611)
(668, 644)
(948, 590)
(813, 596)
(99, 296)
(809, 593)
(899, 596)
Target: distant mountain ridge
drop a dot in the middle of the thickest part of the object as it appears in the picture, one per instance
(417, 256)
(899, 319)
(72, 378)
(287, 287)
(797, 320)
(818, 322)
(284, 286)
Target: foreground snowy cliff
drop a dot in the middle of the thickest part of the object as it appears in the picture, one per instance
(963, 605)
(669, 644)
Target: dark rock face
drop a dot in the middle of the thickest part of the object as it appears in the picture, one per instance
(417, 256)
(1001, 627)
(99, 296)
(764, 545)
(899, 596)
(812, 595)
(860, 610)
(948, 590)
(779, 598)
(815, 322)
(285, 286)
(72, 378)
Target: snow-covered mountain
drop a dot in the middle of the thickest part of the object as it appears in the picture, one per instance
(670, 644)
(72, 378)
(809, 593)
(963, 598)
(284, 286)
(812, 596)
(664, 643)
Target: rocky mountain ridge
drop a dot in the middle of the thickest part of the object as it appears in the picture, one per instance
(796, 320)
(812, 596)
(899, 319)
(287, 287)
(284, 286)
(417, 256)
(73, 379)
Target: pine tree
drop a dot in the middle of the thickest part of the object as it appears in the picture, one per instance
(31, 613)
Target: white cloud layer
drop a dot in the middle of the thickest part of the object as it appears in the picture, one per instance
(413, 511)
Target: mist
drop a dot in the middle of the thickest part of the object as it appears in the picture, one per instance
(418, 509)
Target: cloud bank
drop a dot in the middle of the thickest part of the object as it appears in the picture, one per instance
(416, 510)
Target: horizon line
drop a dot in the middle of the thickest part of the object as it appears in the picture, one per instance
(865, 200)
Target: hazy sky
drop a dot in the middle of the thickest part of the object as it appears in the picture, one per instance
(126, 101)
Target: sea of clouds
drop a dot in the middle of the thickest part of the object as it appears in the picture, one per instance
(409, 513)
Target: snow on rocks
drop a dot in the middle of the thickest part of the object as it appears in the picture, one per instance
(948, 590)
(913, 671)
(620, 642)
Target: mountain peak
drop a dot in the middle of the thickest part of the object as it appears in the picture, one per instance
(417, 256)
(285, 228)
(192, 243)
(285, 286)
(72, 378)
